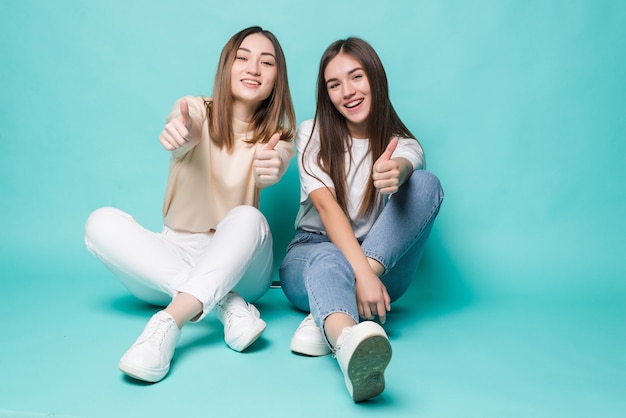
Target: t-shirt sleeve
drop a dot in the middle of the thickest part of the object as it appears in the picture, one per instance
(410, 149)
(312, 177)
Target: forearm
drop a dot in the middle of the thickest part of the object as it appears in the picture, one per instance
(406, 168)
(339, 231)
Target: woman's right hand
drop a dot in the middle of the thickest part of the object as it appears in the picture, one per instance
(178, 131)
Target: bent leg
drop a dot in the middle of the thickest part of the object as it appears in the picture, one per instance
(398, 238)
(237, 257)
(315, 276)
(147, 263)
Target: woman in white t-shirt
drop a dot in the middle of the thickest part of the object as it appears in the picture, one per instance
(215, 249)
(366, 209)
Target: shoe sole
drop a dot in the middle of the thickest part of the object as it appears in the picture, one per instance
(366, 370)
(146, 375)
(247, 339)
(308, 349)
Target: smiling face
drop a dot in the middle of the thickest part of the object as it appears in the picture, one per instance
(349, 90)
(253, 74)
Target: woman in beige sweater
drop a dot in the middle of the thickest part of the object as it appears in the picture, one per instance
(214, 252)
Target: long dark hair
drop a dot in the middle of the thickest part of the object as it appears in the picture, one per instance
(275, 114)
(383, 123)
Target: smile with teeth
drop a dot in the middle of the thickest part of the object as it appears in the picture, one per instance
(354, 103)
(248, 81)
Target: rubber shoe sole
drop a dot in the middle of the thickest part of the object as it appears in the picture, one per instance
(246, 340)
(308, 348)
(147, 375)
(366, 370)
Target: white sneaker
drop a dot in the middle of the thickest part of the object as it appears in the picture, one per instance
(149, 357)
(363, 352)
(242, 321)
(309, 339)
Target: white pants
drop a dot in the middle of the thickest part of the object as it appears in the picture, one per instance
(157, 266)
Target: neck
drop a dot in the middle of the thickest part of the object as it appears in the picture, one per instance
(357, 131)
(244, 111)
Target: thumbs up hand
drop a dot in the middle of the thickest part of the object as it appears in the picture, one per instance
(177, 132)
(387, 172)
(267, 165)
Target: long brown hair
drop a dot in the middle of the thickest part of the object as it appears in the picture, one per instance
(275, 114)
(383, 123)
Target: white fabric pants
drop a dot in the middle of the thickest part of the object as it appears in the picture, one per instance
(156, 266)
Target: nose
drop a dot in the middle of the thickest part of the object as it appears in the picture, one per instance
(348, 90)
(253, 67)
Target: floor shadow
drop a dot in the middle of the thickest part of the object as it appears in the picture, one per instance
(210, 332)
(439, 286)
(129, 304)
(208, 337)
(136, 382)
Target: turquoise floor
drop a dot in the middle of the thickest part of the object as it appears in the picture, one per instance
(66, 326)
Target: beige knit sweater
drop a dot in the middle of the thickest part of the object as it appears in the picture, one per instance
(205, 182)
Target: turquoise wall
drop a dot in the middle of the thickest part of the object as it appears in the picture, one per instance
(519, 104)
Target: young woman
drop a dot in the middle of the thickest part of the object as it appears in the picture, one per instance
(366, 209)
(215, 249)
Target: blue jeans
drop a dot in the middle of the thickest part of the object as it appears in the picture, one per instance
(316, 277)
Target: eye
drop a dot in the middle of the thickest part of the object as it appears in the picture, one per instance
(241, 58)
(333, 85)
(358, 76)
(268, 63)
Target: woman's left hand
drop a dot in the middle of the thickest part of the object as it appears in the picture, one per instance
(267, 163)
(372, 298)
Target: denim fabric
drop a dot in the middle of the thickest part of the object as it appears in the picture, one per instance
(316, 277)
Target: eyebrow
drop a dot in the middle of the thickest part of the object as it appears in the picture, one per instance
(262, 53)
(349, 72)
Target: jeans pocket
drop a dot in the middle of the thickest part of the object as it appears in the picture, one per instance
(302, 237)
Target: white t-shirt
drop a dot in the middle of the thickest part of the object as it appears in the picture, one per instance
(357, 175)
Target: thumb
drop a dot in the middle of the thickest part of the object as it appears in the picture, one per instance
(184, 112)
(272, 142)
(391, 147)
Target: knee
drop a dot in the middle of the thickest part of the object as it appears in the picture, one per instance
(249, 217)
(100, 223)
(426, 183)
(425, 180)
(246, 211)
